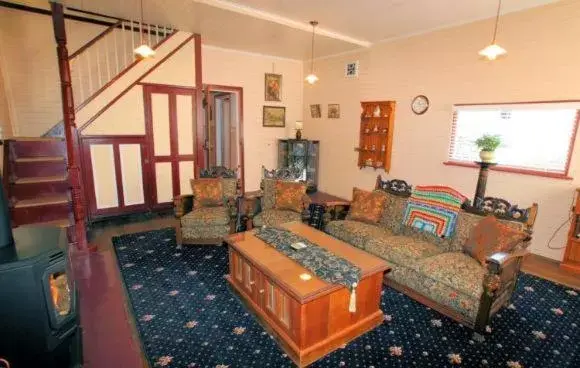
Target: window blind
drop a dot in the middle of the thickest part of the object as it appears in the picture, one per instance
(535, 136)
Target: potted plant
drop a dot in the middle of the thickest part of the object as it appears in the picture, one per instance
(488, 144)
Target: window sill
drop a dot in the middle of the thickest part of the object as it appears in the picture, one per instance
(512, 170)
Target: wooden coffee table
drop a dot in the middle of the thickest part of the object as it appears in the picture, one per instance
(309, 318)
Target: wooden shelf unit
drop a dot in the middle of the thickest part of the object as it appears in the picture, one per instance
(571, 261)
(376, 134)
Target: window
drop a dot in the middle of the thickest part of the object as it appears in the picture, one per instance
(537, 138)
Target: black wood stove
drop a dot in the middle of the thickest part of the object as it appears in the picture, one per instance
(39, 321)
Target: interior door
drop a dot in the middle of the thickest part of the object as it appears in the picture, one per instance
(170, 118)
(115, 170)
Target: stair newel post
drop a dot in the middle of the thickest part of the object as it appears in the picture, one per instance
(70, 130)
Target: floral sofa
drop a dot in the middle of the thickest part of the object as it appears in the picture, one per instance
(435, 271)
(267, 214)
(208, 225)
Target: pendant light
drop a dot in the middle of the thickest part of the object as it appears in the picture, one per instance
(493, 51)
(312, 78)
(144, 51)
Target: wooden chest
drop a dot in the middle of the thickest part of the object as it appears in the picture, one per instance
(308, 317)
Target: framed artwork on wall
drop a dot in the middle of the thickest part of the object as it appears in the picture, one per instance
(274, 116)
(333, 111)
(273, 87)
(315, 111)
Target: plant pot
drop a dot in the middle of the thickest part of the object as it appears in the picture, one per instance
(487, 156)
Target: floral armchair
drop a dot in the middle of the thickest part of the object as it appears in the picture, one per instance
(266, 213)
(208, 225)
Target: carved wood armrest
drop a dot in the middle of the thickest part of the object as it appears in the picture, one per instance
(232, 204)
(182, 204)
(500, 268)
(306, 200)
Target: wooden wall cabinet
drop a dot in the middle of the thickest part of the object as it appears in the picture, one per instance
(571, 261)
(376, 134)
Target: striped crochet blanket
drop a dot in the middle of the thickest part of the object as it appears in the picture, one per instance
(434, 209)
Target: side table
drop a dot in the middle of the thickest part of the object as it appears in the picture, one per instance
(325, 208)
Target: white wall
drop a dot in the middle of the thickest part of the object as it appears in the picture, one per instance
(246, 70)
(542, 64)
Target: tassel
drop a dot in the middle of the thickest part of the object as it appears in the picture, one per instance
(352, 303)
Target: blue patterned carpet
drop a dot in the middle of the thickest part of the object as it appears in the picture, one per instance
(187, 316)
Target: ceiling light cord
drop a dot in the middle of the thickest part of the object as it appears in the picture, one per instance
(141, 25)
(496, 22)
(314, 23)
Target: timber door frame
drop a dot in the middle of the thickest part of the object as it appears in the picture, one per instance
(239, 91)
(174, 157)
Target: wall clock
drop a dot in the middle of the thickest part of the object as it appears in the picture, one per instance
(420, 104)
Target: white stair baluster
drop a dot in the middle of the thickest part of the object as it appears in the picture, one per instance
(124, 39)
(89, 71)
(79, 67)
(116, 53)
(98, 65)
(132, 38)
(107, 58)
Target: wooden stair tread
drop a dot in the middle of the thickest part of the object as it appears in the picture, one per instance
(44, 201)
(40, 179)
(59, 223)
(35, 139)
(40, 159)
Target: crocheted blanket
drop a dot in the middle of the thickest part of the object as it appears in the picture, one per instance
(434, 209)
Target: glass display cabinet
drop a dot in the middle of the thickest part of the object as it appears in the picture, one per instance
(300, 154)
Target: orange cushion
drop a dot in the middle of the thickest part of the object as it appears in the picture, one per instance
(290, 196)
(207, 192)
(490, 236)
(366, 206)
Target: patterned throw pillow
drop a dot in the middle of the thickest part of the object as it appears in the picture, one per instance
(490, 236)
(289, 196)
(207, 192)
(366, 206)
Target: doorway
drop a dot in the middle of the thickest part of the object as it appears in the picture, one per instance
(224, 129)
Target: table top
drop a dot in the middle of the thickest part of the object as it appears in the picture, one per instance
(286, 272)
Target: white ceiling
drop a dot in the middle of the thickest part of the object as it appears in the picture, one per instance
(280, 27)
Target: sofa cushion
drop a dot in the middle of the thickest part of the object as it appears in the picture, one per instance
(229, 187)
(392, 217)
(269, 193)
(355, 232)
(467, 221)
(456, 270)
(402, 250)
(490, 236)
(445, 295)
(275, 217)
(289, 196)
(207, 192)
(206, 216)
(443, 243)
(366, 206)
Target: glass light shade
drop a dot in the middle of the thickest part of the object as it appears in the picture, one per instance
(144, 51)
(311, 78)
(299, 125)
(492, 51)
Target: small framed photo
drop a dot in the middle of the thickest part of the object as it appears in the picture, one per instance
(333, 111)
(274, 116)
(315, 111)
(273, 87)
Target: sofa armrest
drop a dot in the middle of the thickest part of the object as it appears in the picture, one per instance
(182, 205)
(233, 205)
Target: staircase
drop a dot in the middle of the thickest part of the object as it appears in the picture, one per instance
(36, 181)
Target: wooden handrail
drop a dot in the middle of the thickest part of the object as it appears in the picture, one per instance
(98, 37)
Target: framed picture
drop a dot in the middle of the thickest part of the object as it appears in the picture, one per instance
(273, 87)
(333, 111)
(274, 116)
(315, 111)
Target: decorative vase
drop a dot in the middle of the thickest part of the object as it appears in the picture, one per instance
(487, 156)
(298, 134)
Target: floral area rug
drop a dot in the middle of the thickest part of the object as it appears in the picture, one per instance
(188, 316)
